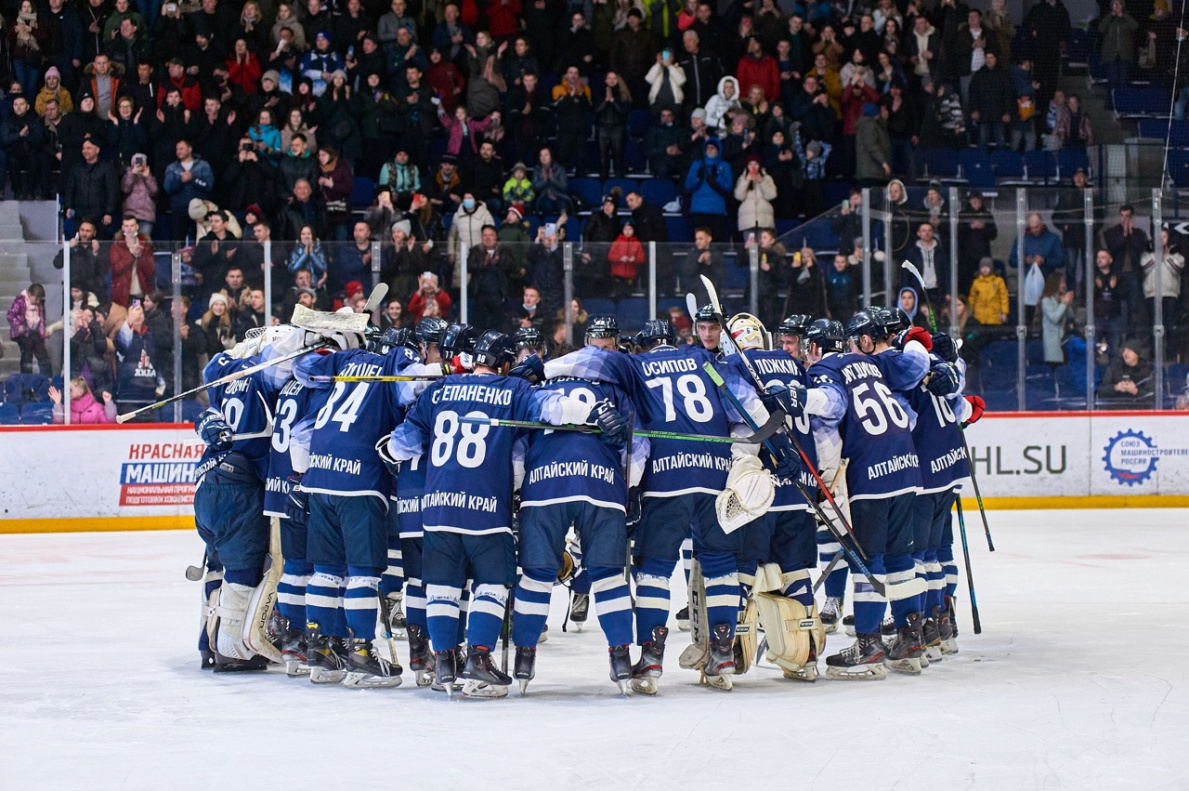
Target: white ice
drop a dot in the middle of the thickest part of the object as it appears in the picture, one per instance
(1078, 681)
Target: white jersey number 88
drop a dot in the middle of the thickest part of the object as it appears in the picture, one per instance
(471, 446)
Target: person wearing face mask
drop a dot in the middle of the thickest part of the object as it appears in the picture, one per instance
(490, 265)
(466, 231)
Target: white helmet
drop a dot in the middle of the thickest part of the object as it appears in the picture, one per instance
(748, 332)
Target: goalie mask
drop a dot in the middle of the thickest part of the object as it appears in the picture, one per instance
(748, 332)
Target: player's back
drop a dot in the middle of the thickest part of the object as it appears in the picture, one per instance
(294, 402)
(247, 406)
(938, 439)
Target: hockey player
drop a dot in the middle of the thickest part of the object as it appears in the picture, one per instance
(856, 415)
(708, 326)
(789, 334)
(348, 488)
(576, 480)
(782, 541)
(529, 340)
(672, 392)
(229, 498)
(466, 510)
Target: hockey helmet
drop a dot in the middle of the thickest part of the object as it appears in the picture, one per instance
(429, 330)
(795, 324)
(827, 334)
(656, 331)
(748, 332)
(707, 313)
(602, 327)
(495, 350)
(394, 338)
(890, 321)
(528, 338)
(863, 323)
(626, 343)
(458, 339)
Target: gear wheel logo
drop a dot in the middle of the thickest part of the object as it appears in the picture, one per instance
(1130, 457)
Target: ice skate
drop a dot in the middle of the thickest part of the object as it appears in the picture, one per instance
(864, 660)
(225, 664)
(683, 619)
(931, 636)
(544, 638)
(831, 613)
(905, 653)
(579, 609)
(720, 665)
(526, 666)
(421, 660)
(392, 610)
(887, 628)
(848, 625)
(447, 671)
(947, 628)
(294, 650)
(368, 670)
(324, 657)
(621, 666)
(808, 673)
(483, 678)
(649, 667)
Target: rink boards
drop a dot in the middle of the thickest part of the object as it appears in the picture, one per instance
(58, 478)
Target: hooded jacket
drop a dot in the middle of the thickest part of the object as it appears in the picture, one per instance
(719, 104)
(709, 181)
(1044, 243)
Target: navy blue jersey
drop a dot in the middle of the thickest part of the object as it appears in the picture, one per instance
(295, 402)
(779, 367)
(410, 485)
(342, 444)
(469, 478)
(938, 439)
(872, 424)
(247, 406)
(562, 467)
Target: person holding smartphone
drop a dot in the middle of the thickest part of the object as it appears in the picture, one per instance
(139, 189)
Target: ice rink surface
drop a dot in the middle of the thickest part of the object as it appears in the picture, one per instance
(1078, 682)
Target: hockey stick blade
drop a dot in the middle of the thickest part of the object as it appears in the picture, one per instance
(691, 305)
(915, 272)
(376, 297)
(726, 340)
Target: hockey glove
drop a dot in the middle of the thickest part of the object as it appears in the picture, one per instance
(977, 407)
(531, 369)
(390, 463)
(945, 348)
(214, 430)
(462, 363)
(613, 425)
(789, 400)
(788, 461)
(297, 505)
(633, 516)
(918, 334)
(942, 380)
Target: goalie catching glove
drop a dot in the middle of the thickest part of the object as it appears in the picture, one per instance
(748, 494)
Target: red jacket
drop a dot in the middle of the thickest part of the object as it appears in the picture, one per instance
(625, 247)
(191, 93)
(763, 72)
(502, 18)
(417, 305)
(245, 75)
(121, 269)
(852, 105)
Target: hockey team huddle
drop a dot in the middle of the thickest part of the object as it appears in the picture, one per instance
(435, 484)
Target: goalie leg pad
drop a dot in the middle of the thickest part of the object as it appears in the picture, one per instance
(794, 632)
(695, 655)
(748, 494)
(230, 618)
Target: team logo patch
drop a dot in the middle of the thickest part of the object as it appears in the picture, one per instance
(1130, 457)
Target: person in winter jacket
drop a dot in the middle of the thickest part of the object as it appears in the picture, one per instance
(992, 101)
(873, 147)
(722, 102)
(335, 184)
(140, 194)
(989, 296)
(26, 327)
(755, 190)
(665, 80)
(625, 256)
(84, 408)
(92, 187)
(138, 380)
(88, 259)
(518, 189)
(1169, 265)
(1041, 247)
(466, 231)
(842, 289)
(185, 179)
(756, 68)
(1117, 30)
(709, 183)
(133, 270)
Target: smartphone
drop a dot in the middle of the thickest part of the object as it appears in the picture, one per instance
(797, 258)
(351, 51)
(666, 54)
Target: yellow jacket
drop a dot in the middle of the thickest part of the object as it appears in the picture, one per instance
(988, 299)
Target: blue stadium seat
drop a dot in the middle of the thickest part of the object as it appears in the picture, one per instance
(1008, 165)
(737, 275)
(1034, 353)
(663, 305)
(679, 228)
(1068, 161)
(638, 123)
(939, 162)
(784, 226)
(10, 415)
(836, 192)
(37, 414)
(1178, 168)
(598, 307)
(1042, 165)
(363, 192)
(26, 388)
(1001, 400)
(1077, 48)
(632, 313)
(625, 185)
(814, 235)
(589, 191)
(1178, 132)
(976, 168)
(1140, 102)
(633, 156)
(658, 192)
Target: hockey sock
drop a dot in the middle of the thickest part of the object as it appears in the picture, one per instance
(324, 602)
(581, 582)
(464, 607)
(441, 615)
(248, 577)
(921, 569)
(906, 592)
(652, 596)
(747, 581)
(687, 557)
(722, 589)
(945, 556)
(414, 602)
(613, 604)
(532, 606)
(935, 579)
(799, 587)
(487, 614)
(827, 547)
(362, 603)
(869, 604)
(393, 578)
(291, 592)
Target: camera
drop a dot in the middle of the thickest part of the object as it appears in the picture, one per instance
(245, 146)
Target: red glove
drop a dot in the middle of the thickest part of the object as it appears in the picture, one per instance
(921, 336)
(977, 407)
(462, 363)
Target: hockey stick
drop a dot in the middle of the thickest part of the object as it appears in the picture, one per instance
(385, 617)
(507, 630)
(978, 626)
(837, 555)
(965, 447)
(411, 378)
(761, 434)
(852, 556)
(373, 302)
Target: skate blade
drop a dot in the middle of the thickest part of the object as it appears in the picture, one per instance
(624, 687)
(859, 673)
(682, 626)
(807, 674)
(830, 628)
(423, 678)
(578, 625)
(368, 681)
(295, 668)
(717, 682)
(924, 660)
(909, 666)
(644, 686)
(933, 653)
(693, 657)
(320, 675)
(544, 638)
(523, 687)
(480, 690)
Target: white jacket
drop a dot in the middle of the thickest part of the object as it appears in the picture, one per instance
(465, 232)
(1170, 278)
(719, 105)
(654, 80)
(755, 202)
